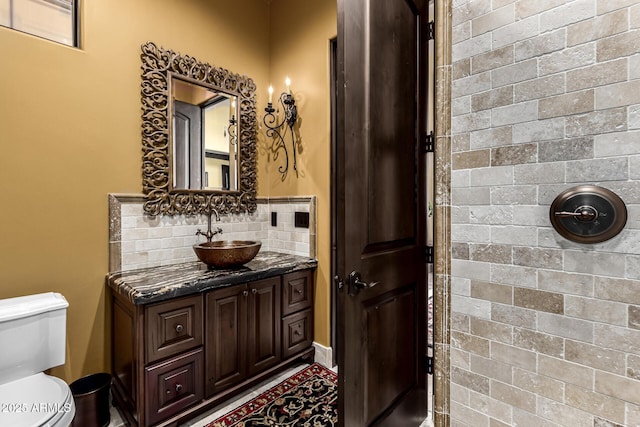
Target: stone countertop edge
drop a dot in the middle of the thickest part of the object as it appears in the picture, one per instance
(155, 284)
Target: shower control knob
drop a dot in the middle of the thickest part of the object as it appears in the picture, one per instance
(582, 213)
(588, 214)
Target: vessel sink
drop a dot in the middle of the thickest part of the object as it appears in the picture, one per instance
(227, 253)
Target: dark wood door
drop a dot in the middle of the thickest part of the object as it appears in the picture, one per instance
(226, 314)
(381, 212)
(263, 324)
(188, 146)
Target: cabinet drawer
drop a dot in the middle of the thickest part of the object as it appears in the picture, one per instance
(297, 292)
(173, 327)
(297, 332)
(173, 385)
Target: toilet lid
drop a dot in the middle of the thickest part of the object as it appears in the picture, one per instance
(34, 401)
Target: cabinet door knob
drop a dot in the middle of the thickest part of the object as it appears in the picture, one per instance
(254, 291)
(178, 388)
(299, 291)
(179, 328)
(245, 293)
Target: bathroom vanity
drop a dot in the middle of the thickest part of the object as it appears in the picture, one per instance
(186, 338)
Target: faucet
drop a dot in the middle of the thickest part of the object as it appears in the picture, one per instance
(209, 234)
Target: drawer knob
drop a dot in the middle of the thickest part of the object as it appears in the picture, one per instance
(179, 328)
(299, 291)
(297, 332)
(178, 389)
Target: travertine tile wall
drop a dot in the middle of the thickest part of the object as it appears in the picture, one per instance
(545, 96)
(139, 241)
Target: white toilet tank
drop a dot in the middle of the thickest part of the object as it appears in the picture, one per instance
(32, 334)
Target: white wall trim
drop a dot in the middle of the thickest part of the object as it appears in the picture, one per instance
(324, 355)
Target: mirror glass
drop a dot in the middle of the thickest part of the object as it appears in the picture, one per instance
(205, 153)
(199, 136)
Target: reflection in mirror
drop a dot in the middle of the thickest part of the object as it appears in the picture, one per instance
(224, 176)
(204, 143)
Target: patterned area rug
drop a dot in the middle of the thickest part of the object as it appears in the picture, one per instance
(306, 399)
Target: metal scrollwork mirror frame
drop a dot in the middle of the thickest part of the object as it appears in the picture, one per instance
(158, 65)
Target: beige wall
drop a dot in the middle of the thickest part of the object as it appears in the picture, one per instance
(545, 96)
(299, 48)
(70, 133)
(70, 123)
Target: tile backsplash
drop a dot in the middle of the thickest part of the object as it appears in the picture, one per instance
(137, 240)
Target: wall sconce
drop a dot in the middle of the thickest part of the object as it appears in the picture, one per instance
(232, 128)
(277, 130)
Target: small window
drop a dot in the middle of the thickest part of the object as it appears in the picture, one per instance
(50, 19)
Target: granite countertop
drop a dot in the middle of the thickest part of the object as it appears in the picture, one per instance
(156, 284)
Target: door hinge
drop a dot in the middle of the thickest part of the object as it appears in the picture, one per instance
(429, 142)
(428, 254)
(430, 365)
(431, 30)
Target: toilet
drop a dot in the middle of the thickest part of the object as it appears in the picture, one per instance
(33, 339)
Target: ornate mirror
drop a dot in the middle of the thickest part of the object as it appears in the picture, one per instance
(198, 136)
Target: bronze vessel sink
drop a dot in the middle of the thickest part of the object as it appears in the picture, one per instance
(227, 253)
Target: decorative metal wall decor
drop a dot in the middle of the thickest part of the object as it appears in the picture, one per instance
(232, 129)
(158, 67)
(276, 129)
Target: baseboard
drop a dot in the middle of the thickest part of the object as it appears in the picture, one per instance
(324, 355)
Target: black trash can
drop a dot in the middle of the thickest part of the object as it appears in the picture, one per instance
(91, 397)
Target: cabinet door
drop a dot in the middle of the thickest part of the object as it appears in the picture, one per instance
(173, 385)
(173, 327)
(297, 291)
(226, 315)
(263, 327)
(297, 332)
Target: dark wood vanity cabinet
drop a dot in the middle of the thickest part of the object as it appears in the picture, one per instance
(176, 358)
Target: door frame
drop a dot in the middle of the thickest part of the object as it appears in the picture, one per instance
(443, 74)
(441, 211)
(337, 174)
(333, 60)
